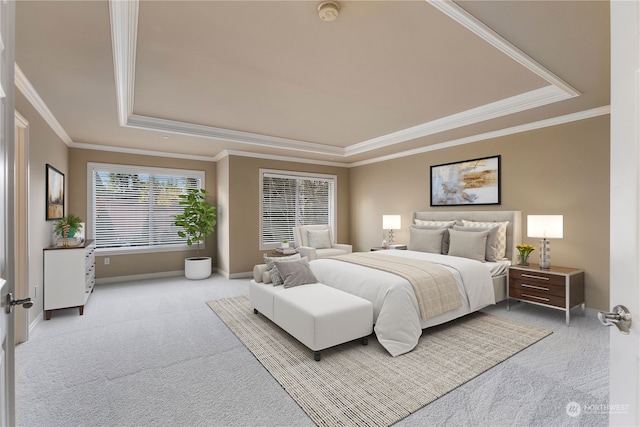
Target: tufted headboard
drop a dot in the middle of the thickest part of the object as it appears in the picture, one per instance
(514, 229)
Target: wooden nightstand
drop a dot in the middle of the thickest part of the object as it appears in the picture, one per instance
(561, 288)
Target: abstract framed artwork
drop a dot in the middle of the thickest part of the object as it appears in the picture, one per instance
(55, 193)
(470, 182)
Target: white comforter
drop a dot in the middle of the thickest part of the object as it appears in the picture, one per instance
(395, 308)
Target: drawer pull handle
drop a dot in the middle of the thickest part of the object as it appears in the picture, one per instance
(524, 285)
(534, 297)
(531, 276)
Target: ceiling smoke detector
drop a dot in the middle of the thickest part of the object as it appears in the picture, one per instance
(328, 11)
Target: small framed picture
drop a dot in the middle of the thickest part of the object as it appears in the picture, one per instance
(55, 193)
(470, 182)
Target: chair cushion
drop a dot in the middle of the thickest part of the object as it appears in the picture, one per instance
(319, 239)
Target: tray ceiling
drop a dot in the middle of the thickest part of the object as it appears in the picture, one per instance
(271, 78)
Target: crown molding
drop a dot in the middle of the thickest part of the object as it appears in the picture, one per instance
(554, 121)
(26, 88)
(189, 129)
(21, 121)
(111, 149)
(514, 104)
(464, 18)
(227, 153)
(124, 38)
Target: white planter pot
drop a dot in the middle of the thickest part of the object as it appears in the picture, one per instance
(197, 268)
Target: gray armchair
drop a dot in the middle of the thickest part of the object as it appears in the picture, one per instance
(317, 241)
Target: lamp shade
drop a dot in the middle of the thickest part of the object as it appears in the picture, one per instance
(544, 226)
(391, 222)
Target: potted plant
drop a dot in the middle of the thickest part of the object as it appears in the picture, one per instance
(285, 243)
(66, 228)
(196, 222)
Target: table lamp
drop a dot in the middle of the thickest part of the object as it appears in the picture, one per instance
(544, 227)
(391, 222)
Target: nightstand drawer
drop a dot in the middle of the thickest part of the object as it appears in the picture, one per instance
(538, 287)
(541, 298)
(536, 277)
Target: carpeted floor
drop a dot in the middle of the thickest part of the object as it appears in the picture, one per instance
(355, 385)
(151, 353)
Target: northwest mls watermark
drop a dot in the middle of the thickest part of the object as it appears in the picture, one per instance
(575, 409)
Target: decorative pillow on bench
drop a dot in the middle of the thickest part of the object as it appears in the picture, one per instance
(276, 278)
(295, 272)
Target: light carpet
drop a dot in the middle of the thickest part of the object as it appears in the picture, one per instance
(364, 385)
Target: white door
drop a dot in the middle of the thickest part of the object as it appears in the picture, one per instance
(7, 196)
(6, 361)
(624, 396)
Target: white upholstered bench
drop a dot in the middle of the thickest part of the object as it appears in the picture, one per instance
(317, 315)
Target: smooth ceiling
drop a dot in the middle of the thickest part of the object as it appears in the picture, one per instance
(282, 82)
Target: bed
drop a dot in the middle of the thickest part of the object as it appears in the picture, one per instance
(397, 315)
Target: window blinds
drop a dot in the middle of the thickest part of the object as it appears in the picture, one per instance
(291, 200)
(135, 208)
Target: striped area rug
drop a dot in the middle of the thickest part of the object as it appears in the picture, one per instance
(355, 385)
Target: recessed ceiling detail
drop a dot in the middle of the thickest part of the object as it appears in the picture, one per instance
(124, 24)
(271, 79)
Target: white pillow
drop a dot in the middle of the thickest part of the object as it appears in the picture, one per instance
(468, 245)
(501, 240)
(435, 223)
(319, 239)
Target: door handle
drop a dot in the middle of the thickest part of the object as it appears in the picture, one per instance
(26, 303)
(620, 317)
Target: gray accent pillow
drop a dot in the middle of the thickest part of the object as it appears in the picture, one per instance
(491, 249)
(319, 239)
(426, 240)
(296, 272)
(445, 236)
(468, 245)
(276, 278)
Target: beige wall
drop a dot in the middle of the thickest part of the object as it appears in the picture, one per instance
(243, 207)
(134, 264)
(44, 147)
(558, 170)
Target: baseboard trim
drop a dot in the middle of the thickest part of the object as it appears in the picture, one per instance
(120, 279)
(36, 322)
(241, 275)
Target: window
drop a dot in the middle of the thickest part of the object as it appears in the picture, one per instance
(290, 199)
(132, 208)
